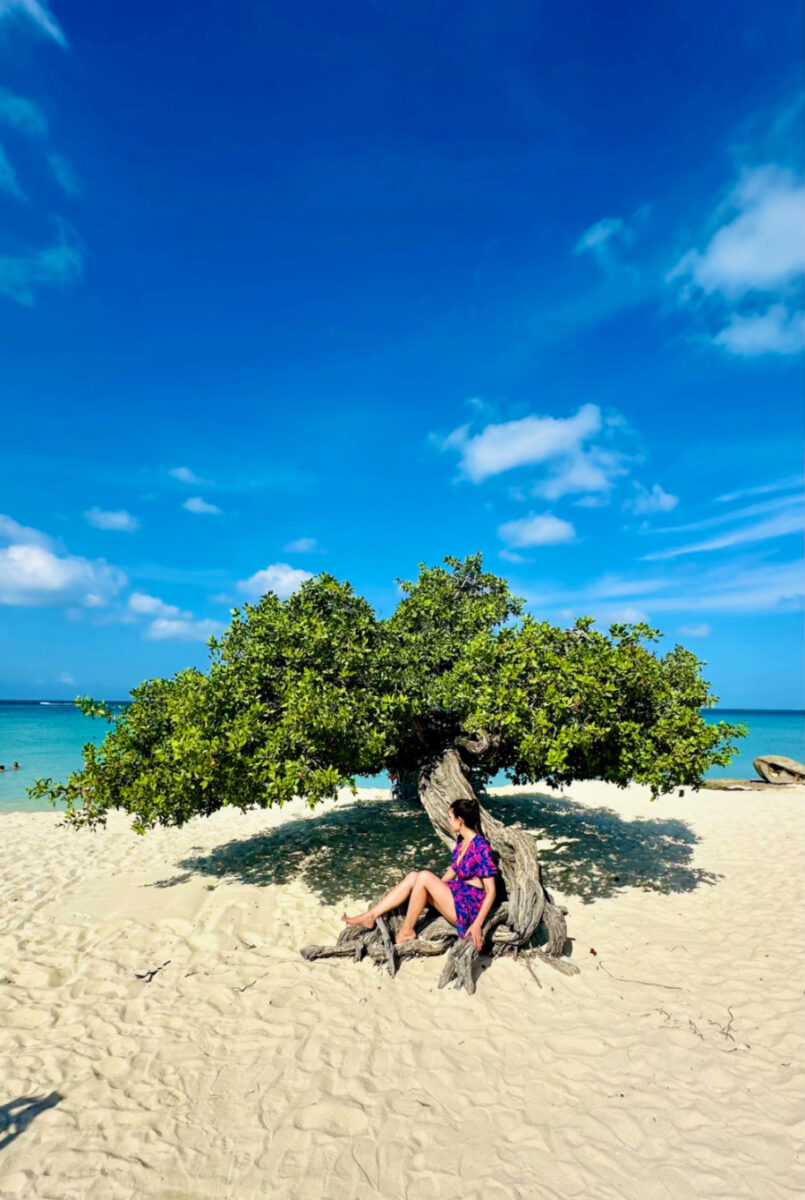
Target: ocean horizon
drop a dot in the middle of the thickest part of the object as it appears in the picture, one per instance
(46, 738)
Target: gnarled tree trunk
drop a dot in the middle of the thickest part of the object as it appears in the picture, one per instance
(513, 921)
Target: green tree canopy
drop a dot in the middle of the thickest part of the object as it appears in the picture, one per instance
(303, 694)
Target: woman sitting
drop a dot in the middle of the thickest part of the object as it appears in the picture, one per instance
(464, 894)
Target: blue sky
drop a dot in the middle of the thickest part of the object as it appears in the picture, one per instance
(299, 287)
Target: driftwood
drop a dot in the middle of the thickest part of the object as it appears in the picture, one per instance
(523, 911)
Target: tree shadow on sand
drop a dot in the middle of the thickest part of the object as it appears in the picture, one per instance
(360, 851)
(17, 1115)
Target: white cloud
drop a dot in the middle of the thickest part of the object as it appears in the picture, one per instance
(512, 556)
(780, 485)
(32, 575)
(537, 530)
(66, 677)
(196, 505)
(761, 248)
(591, 471)
(34, 572)
(181, 629)
(645, 502)
(168, 622)
(519, 443)
(37, 13)
(58, 264)
(279, 578)
(781, 525)
(185, 475)
(695, 631)
(756, 253)
(776, 331)
(302, 545)
(143, 604)
(120, 519)
(12, 531)
(22, 114)
(8, 178)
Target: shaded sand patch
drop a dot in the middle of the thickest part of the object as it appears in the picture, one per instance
(671, 1067)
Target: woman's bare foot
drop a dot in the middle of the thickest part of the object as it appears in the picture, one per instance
(365, 919)
(404, 936)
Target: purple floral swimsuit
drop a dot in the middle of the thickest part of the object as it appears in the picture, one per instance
(476, 864)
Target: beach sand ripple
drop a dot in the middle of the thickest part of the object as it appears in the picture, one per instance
(161, 1037)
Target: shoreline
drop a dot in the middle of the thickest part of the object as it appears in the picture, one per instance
(154, 985)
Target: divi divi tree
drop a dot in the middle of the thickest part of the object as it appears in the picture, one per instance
(457, 685)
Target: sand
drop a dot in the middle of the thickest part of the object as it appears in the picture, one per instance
(671, 1067)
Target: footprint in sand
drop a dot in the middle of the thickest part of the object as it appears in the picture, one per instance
(338, 1120)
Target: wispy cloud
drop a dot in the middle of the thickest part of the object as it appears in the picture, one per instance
(780, 485)
(783, 524)
(8, 178)
(645, 502)
(591, 473)
(25, 268)
(606, 238)
(64, 174)
(26, 117)
(120, 519)
(771, 588)
(60, 263)
(12, 531)
(600, 237)
(185, 475)
(204, 577)
(537, 530)
(22, 114)
(702, 630)
(734, 586)
(280, 578)
(737, 514)
(195, 504)
(33, 12)
(302, 545)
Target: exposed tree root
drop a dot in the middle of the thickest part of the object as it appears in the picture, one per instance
(524, 910)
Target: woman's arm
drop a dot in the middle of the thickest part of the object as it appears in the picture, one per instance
(475, 930)
(448, 875)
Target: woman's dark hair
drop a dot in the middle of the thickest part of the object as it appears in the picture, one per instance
(469, 812)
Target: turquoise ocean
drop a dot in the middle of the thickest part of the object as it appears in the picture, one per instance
(46, 737)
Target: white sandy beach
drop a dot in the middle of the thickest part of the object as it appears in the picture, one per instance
(671, 1067)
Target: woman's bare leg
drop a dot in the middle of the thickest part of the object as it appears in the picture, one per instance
(391, 899)
(428, 888)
